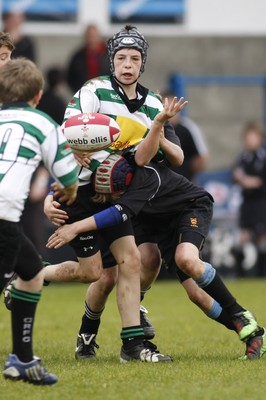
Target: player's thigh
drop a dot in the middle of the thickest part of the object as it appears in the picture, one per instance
(10, 243)
(17, 252)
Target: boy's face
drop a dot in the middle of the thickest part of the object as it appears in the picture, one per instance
(5, 55)
(127, 64)
(253, 140)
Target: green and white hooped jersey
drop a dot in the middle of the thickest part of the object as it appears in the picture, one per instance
(98, 95)
(28, 136)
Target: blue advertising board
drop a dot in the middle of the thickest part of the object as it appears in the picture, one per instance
(147, 11)
(40, 10)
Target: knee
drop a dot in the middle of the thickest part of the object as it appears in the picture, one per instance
(186, 262)
(90, 276)
(108, 280)
(85, 273)
(152, 261)
(130, 261)
(94, 276)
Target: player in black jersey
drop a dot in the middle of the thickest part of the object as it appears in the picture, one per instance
(178, 214)
(136, 108)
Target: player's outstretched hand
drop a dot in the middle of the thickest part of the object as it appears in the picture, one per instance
(171, 109)
(62, 235)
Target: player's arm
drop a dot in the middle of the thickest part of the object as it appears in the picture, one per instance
(246, 181)
(170, 145)
(53, 211)
(60, 162)
(148, 148)
(109, 217)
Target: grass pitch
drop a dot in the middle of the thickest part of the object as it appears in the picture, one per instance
(205, 366)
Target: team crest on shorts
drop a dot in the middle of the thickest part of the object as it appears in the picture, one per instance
(194, 222)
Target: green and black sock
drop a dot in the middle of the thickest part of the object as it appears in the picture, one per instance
(24, 305)
(132, 336)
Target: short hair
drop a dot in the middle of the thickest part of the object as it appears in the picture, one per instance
(20, 80)
(6, 41)
(254, 126)
(54, 76)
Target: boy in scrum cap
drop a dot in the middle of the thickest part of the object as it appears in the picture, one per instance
(27, 137)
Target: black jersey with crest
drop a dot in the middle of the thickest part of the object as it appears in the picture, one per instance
(159, 192)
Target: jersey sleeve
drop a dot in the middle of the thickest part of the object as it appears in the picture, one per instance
(58, 157)
(170, 134)
(84, 101)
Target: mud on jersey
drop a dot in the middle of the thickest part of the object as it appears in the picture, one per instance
(99, 95)
(28, 136)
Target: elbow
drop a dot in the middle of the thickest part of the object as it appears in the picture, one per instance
(140, 161)
(180, 159)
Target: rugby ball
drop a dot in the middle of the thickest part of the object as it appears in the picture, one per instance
(91, 131)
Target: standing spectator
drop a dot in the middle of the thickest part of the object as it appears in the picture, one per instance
(52, 101)
(192, 143)
(24, 45)
(249, 172)
(89, 61)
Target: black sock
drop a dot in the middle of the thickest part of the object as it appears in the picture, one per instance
(23, 312)
(132, 336)
(90, 321)
(226, 320)
(219, 292)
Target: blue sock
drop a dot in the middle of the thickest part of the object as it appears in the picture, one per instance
(215, 311)
(207, 276)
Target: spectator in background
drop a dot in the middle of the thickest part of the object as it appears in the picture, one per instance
(24, 45)
(192, 143)
(89, 61)
(249, 172)
(52, 101)
(6, 47)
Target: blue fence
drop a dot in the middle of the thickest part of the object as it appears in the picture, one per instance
(64, 10)
(147, 11)
(178, 83)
